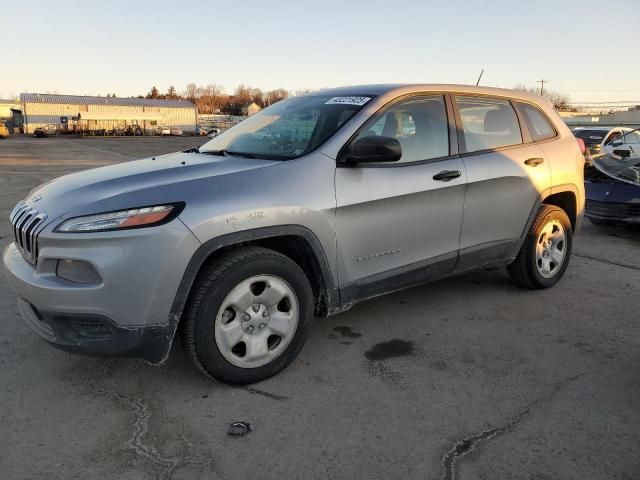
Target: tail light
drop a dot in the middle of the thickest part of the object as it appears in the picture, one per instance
(583, 147)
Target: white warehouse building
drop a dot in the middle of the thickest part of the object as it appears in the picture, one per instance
(71, 112)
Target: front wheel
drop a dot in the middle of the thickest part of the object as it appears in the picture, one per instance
(249, 316)
(545, 253)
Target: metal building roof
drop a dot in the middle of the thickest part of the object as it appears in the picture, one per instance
(87, 100)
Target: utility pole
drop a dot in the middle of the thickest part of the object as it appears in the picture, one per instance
(541, 82)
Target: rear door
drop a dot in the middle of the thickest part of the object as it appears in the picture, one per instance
(506, 174)
(399, 223)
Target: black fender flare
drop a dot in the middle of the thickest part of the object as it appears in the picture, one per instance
(235, 238)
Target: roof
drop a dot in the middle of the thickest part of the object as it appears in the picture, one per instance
(384, 88)
(604, 129)
(88, 100)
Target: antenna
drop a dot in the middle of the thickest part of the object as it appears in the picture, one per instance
(478, 82)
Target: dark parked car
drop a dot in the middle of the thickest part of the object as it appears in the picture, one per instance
(133, 131)
(47, 130)
(612, 186)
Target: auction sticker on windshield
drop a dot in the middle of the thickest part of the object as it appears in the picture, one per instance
(359, 101)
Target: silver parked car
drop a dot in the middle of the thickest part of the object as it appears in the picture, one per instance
(303, 209)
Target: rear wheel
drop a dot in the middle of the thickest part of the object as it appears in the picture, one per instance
(546, 251)
(249, 316)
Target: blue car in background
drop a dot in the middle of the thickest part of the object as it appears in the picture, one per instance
(612, 183)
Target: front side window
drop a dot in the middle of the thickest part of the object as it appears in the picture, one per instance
(418, 123)
(488, 123)
(288, 129)
(612, 137)
(539, 125)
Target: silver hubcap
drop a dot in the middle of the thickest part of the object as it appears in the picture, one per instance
(551, 249)
(256, 321)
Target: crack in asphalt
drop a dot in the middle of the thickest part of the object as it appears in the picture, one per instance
(469, 443)
(624, 265)
(272, 396)
(140, 427)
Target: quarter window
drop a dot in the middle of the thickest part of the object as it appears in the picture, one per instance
(539, 125)
(488, 123)
(418, 123)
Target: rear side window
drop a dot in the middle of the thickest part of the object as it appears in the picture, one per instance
(539, 125)
(488, 123)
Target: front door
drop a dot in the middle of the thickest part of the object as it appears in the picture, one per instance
(399, 223)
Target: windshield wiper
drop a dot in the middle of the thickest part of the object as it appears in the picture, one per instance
(259, 156)
(239, 154)
(192, 150)
(221, 153)
(227, 153)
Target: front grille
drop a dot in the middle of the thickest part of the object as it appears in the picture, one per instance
(27, 223)
(613, 210)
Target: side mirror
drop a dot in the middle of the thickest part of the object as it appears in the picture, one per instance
(374, 149)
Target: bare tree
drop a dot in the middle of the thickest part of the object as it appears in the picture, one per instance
(274, 96)
(560, 101)
(211, 98)
(191, 93)
(242, 95)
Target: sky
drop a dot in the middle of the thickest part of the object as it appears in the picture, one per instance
(126, 47)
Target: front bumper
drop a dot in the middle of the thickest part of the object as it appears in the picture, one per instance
(97, 336)
(613, 201)
(128, 313)
(613, 211)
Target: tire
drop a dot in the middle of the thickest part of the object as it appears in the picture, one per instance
(248, 316)
(540, 264)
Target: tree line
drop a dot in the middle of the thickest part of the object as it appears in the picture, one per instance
(212, 99)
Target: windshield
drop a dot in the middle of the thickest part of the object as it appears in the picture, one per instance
(625, 169)
(590, 137)
(289, 129)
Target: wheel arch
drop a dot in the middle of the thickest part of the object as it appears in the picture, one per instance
(567, 201)
(564, 197)
(293, 241)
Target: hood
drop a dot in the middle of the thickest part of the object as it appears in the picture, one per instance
(161, 179)
(623, 169)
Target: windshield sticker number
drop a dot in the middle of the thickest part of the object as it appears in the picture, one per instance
(359, 101)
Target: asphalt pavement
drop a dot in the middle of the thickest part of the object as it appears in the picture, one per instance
(466, 378)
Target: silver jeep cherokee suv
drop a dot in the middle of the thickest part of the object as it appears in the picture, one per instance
(313, 204)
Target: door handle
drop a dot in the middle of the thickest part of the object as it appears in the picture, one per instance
(447, 175)
(534, 162)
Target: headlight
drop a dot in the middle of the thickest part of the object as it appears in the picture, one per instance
(122, 219)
